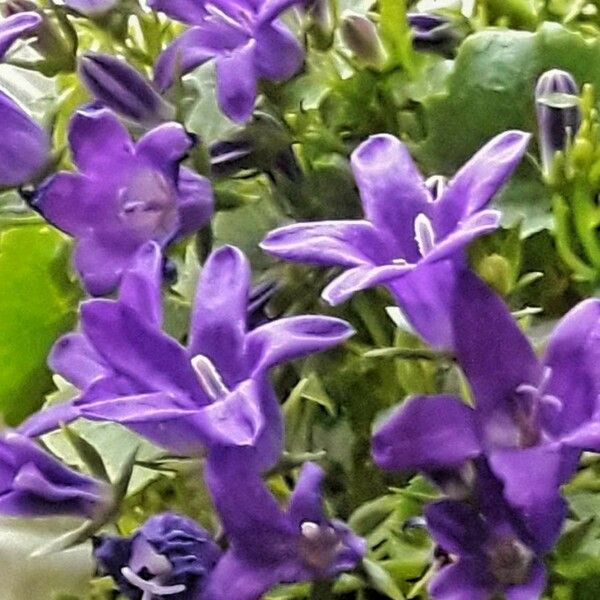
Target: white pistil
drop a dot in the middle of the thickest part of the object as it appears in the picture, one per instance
(424, 234)
(437, 185)
(538, 393)
(151, 587)
(209, 377)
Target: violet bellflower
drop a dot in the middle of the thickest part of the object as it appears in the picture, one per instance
(34, 484)
(169, 556)
(408, 233)
(245, 38)
(25, 146)
(489, 555)
(124, 194)
(268, 545)
(532, 417)
(214, 392)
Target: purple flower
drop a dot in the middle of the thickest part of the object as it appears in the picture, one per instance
(408, 230)
(558, 114)
(34, 484)
(16, 26)
(532, 417)
(268, 545)
(91, 8)
(489, 555)
(169, 556)
(124, 195)
(244, 37)
(214, 392)
(120, 87)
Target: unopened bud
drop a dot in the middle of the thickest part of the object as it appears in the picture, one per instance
(120, 87)
(558, 113)
(321, 23)
(362, 38)
(433, 33)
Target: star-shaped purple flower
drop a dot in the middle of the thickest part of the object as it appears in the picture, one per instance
(410, 227)
(532, 417)
(123, 195)
(244, 37)
(34, 484)
(214, 392)
(267, 545)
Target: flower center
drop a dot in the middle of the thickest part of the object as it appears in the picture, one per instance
(424, 234)
(146, 558)
(210, 379)
(147, 205)
(509, 560)
(530, 400)
(319, 545)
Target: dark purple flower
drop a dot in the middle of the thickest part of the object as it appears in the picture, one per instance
(214, 392)
(489, 557)
(16, 26)
(532, 417)
(124, 195)
(34, 484)
(558, 114)
(244, 37)
(170, 556)
(407, 233)
(120, 87)
(268, 545)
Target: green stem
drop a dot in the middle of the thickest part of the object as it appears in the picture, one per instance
(562, 236)
(585, 220)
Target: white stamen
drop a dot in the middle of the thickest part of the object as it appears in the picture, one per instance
(151, 587)
(209, 377)
(424, 234)
(436, 184)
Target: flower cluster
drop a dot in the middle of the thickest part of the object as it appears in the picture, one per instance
(137, 195)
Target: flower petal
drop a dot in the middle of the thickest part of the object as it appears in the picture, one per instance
(479, 179)
(427, 433)
(278, 53)
(532, 478)
(236, 82)
(492, 351)
(136, 349)
(219, 315)
(361, 278)
(164, 147)
(306, 502)
(392, 190)
(293, 337)
(532, 588)
(186, 11)
(24, 147)
(573, 354)
(140, 287)
(14, 26)
(99, 142)
(195, 201)
(344, 243)
(191, 49)
(464, 580)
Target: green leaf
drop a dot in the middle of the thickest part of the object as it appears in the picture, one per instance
(381, 580)
(37, 304)
(491, 89)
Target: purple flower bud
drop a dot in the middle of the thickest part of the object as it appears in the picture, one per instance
(362, 38)
(558, 113)
(120, 87)
(433, 33)
(24, 145)
(168, 556)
